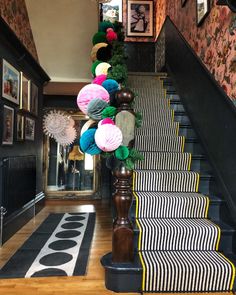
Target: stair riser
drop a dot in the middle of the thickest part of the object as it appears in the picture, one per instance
(200, 166)
(177, 107)
(181, 119)
(193, 147)
(207, 186)
(187, 132)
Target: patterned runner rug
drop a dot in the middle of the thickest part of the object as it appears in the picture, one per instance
(177, 244)
(59, 247)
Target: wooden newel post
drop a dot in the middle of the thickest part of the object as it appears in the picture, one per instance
(123, 234)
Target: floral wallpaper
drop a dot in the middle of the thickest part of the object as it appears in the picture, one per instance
(15, 14)
(214, 41)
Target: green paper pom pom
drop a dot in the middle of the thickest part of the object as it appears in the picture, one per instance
(103, 26)
(122, 152)
(109, 112)
(99, 37)
(94, 65)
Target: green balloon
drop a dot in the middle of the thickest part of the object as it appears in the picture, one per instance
(108, 112)
(99, 37)
(122, 152)
(94, 65)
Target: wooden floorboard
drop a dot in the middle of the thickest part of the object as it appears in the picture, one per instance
(92, 283)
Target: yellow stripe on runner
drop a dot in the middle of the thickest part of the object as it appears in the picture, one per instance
(198, 180)
(218, 238)
(183, 143)
(207, 207)
(140, 255)
(190, 162)
(234, 271)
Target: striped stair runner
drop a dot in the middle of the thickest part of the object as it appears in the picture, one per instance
(177, 244)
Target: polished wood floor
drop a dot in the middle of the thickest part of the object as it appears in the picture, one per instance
(92, 283)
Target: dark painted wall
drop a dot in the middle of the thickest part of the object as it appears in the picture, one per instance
(141, 56)
(211, 112)
(12, 50)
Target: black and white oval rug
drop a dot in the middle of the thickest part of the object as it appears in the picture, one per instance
(59, 247)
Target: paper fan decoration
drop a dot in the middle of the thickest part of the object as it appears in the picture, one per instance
(71, 122)
(88, 92)
(108, 137)
(55, 122)
(102, 68)
(67, 137)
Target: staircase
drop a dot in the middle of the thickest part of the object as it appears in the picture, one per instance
(180, 217)
(177, 245)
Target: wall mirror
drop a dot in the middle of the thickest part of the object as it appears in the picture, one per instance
(68, 172)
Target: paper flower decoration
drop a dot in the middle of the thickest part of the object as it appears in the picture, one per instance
(102, 68)
(89, 124)
(94, 65)
(109, 112)
(67, 137)
(111, 85)
(108, 137)
(95, 108)
(99, 79)
(55, 122)
(87, 142)
(111, 36)
(95, 49)
(122, 152)
(88, 92)
(106, 121)
(99, 37)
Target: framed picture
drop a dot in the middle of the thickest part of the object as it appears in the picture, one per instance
(111, 11)
(10, 82)
(34, 99)
(24, 93)
(183, 2)
(29, 128)
(8, 125)
(203, 9)
(139, 18)
(20, 127)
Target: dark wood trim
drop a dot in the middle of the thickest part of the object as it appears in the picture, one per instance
(212, 113)
(9, 38)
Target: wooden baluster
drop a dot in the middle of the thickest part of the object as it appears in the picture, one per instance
(123, 234)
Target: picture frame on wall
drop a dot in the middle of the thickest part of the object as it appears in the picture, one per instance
(29, 128)
(24, 93)
(140, 18)
(10, 82)
(20, 124)
(111, 11)
(202, 10)
(34, 99)
(8, 125)
(183, 2)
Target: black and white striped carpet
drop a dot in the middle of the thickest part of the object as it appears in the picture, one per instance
(178, 245)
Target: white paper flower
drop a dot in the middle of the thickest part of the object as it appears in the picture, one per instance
(55, 123)
(67, 137)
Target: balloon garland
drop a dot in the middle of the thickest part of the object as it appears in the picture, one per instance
(99, 135)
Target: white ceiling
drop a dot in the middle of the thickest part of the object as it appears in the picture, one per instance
(63, 31)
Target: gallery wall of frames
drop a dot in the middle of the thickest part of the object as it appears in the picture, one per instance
(21, 138)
